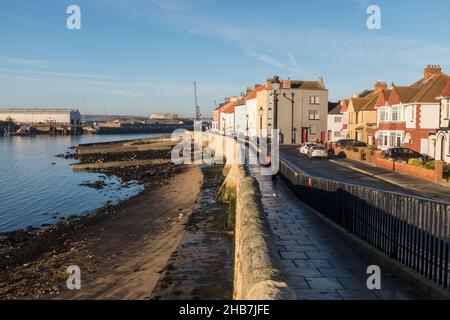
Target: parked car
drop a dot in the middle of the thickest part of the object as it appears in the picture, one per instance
(404, 154)
(317, 152)
(304, 148)
(351, 143)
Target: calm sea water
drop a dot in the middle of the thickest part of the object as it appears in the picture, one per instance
(36, 188)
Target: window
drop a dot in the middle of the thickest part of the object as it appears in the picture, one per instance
(390, 139)
(383, 114)
(313, 130)
(337, 134)
(396, 113)
(395, 139)
(314, 100)
(337, 119)
(447, 113)
(398, 141)
(413, 113)
(314, 115)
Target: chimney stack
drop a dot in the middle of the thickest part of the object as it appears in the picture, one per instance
(431, 70)
(287, 84)
(321, 81)
(380, 86)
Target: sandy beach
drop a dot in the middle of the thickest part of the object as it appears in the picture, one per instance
(121, 250)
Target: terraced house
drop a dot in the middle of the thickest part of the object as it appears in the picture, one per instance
(440, 142)
(226, 115)
(335, 122)
(410, 114)
(362, 116)
(344, 110)
(302, 110)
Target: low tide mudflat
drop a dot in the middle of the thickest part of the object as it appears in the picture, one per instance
(120, 249)
(154, 245)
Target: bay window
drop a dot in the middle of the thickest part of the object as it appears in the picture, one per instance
(397, 113)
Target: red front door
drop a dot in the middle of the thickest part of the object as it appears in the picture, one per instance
(304, 135)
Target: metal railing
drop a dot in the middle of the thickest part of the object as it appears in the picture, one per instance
(412, 230)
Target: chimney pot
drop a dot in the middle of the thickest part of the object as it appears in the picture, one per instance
(380, 86)
(287, 84)
(431, 70)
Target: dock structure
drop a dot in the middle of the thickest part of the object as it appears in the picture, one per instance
(48, 121)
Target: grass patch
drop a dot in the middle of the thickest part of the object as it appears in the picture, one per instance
(231, 214)
(212, 169)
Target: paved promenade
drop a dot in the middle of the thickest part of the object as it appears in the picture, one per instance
(320, 264)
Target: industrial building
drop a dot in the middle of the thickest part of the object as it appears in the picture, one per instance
(163, 116)
(41, 116)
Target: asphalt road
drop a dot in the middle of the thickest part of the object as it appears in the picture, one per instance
(321, 168)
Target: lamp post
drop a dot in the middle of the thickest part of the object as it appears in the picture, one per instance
(260, 121)
(224, 125)
(293, 138)
(247, 133)
(276, 86)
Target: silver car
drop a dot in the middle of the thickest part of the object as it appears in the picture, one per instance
(304, 148)
(316, 152)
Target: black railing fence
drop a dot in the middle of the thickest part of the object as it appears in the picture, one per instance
(414, 231)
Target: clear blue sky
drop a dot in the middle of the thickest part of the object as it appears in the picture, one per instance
(141, 56)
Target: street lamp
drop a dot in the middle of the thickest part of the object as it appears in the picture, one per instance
(276, 86)
(260, 120)
(224, 125)
(293, 138)
(247, 133)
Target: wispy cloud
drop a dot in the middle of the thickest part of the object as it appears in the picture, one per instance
(173, 5)
(275, 44)
(267, 59)
(11, 16)
(58, 74)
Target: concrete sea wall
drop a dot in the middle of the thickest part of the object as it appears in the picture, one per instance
(258, 272)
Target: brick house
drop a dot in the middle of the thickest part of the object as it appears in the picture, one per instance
(410, 114)
(362, 114)
(344, 110)
(440, 141)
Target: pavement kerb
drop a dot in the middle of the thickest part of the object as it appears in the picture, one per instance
(370, 174)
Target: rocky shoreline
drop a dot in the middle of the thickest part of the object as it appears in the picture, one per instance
(32, 261)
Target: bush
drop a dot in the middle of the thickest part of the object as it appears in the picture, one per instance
(430, 165)
(447, 173)
(416, 162)
(422, 164)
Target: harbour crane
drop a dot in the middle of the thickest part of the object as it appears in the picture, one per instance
(198, 115)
